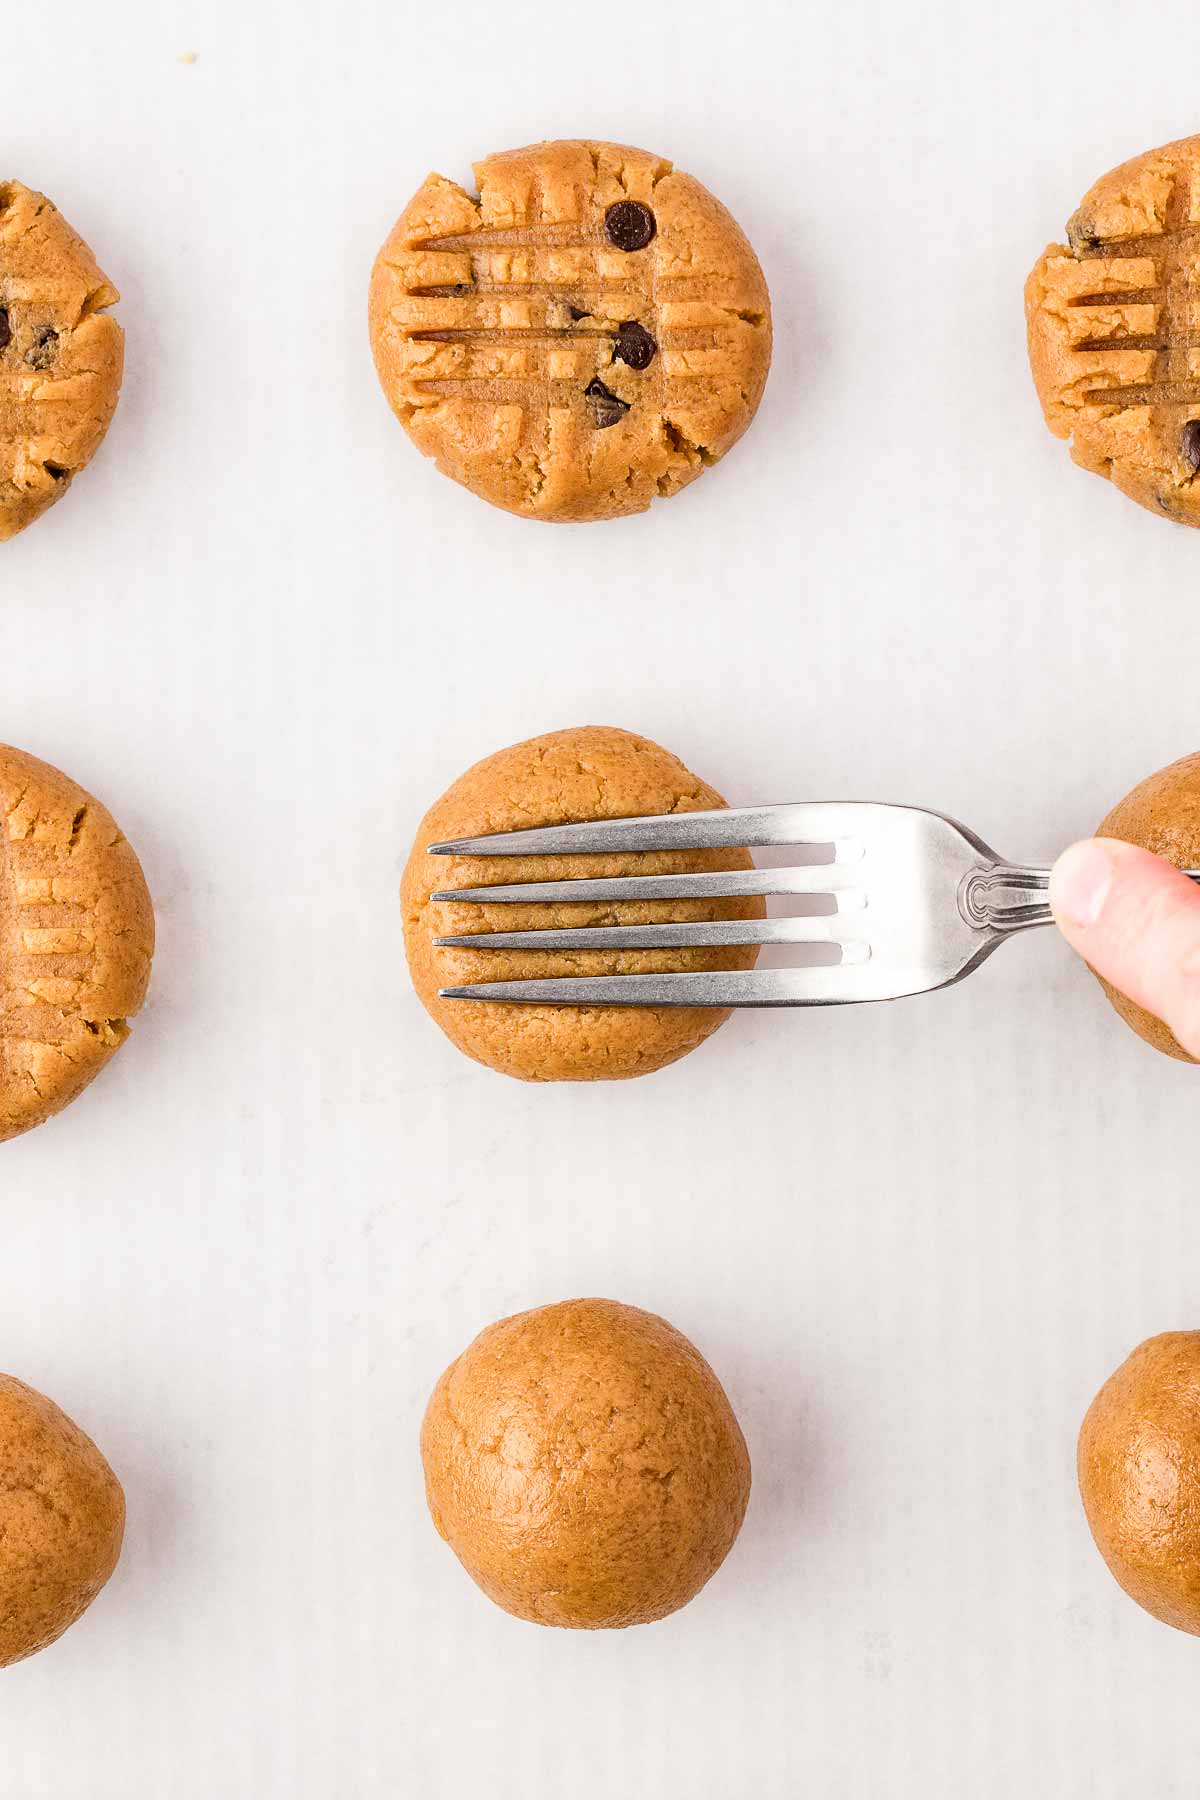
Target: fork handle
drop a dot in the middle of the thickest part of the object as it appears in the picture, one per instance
(1005, 897)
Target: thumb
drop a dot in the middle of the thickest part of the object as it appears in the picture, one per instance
(1136, 920)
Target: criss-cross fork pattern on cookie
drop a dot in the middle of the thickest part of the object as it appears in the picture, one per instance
(535, 315)
(1174, 251)
(589, 331)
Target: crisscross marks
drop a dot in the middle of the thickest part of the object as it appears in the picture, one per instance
(1173, 386)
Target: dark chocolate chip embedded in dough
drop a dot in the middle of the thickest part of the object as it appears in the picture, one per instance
(1081, 232)
(635, 346)
(630, 225)
(1189, 443)
(604, 407)
(44, 348)
(5, 329)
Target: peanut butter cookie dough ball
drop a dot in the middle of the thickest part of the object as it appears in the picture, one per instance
(1162, 815)
(592, 772)
(61, 356)
(62, 1518)
(1139, 1476)
(585, 1466)
(76, 939)
(588, 332)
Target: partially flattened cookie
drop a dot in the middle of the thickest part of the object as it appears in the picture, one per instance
(594, 772)
(76, 940)
(61, 356)
(1113, 337)
(590, 331)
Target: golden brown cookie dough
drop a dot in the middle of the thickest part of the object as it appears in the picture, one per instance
(583, 1463)
(592, 772)
(76, 939)
(62, 1518)
(1162, 815)
(1112, 337)
(61, 356)
(1139, 1475)
(589, 331)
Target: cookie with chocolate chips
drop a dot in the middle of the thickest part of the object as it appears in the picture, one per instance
(61, 356)
(588, 331)
(1112, 339)
(76, 939)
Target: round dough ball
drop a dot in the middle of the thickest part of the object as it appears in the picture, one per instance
(76, 939)
(62, 1518)
(1162, 815)
(1139, 1475)
(583, 1463)
(61, 356)
(593, 772)
(589, 331)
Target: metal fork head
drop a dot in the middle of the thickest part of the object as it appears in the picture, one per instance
(918, 902)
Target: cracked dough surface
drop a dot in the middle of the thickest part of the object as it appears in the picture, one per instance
(591, 772)
(61, 356)
(76, 940)
(62, 1519)
(1111, 317)
(1162, 814)
(491, 317)
(585, 1466)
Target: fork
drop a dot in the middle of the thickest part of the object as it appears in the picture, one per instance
(919, 902)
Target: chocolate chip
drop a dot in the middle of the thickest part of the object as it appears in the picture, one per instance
(1189, 443)
(1081, 232)
(44, 348)
(604, 407)
(5, 329)
(630, 225)
(635, 346)
(55, 471)
(577, 312)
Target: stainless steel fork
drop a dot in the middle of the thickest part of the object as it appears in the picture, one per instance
(918, 902)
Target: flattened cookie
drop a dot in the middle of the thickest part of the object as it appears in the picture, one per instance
(1113, 337)
(76, 939)
(590, 331)
(593, 772)
(61, 356)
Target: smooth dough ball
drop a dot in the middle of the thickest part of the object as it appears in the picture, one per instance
(1139, 1475)
(593, 772)
(585, 1466)
(61, 356)
(588, 332)
(1162, 815)
(62, 1518)
(76, 940)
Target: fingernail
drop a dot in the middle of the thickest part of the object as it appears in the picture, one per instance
(1080, 883)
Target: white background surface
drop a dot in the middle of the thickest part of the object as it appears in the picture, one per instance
(912, 1240)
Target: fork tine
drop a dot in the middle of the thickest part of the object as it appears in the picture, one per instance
(839, 985)
(821, 930)
(819, 878)
(748, 827)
